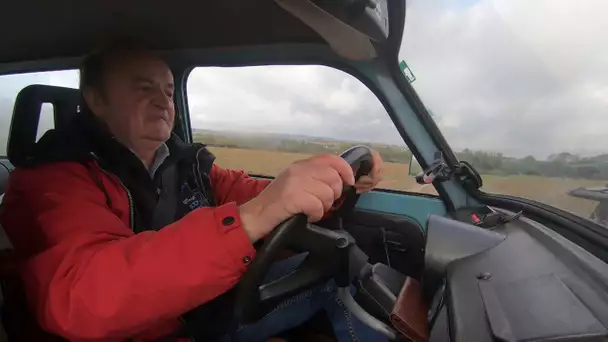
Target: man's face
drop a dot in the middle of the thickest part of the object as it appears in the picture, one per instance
(137, 100)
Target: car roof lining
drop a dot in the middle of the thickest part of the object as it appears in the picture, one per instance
(68, 29)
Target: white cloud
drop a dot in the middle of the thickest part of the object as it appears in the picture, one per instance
(343, 101)
(515, 76)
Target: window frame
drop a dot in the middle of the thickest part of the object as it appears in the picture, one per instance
(182, 62)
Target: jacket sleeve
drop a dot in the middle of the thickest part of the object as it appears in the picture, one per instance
(90, 277)
(234, 186)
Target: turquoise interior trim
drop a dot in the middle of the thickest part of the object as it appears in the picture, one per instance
(415, 207)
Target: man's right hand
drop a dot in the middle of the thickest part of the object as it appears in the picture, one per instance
(308, 186)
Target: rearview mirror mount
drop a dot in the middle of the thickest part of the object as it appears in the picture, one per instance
(369, 17)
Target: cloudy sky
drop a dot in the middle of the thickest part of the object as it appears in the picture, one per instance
(514, 76)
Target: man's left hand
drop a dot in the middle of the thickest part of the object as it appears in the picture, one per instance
(367, 183)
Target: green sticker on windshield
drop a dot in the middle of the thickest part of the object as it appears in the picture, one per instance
(405, 69)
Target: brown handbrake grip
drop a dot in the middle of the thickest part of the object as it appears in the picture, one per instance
(409, 316)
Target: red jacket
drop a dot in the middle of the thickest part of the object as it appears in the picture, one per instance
(89, 277)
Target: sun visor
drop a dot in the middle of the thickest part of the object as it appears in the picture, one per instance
(342, 38)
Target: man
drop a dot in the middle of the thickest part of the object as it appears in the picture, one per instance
(125, 232)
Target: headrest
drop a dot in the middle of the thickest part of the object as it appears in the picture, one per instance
(26, 115)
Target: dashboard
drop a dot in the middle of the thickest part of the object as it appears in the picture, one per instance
(520, 281)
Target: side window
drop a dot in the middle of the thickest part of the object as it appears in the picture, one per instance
(262, 118)
(10, 85)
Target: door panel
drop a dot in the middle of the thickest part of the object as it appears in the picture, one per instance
(397, 241)
(415, 206)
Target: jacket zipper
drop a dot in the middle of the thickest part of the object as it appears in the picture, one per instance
(129, 196)
(198, 177)
(131, 206)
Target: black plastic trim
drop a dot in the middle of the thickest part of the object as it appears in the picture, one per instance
(531, 251)
(448, 240)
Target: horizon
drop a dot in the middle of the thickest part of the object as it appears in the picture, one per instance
(300, 136)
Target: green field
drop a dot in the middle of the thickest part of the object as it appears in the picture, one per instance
(552, 191)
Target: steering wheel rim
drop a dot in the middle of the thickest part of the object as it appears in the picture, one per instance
(254, 299)
(361, 161)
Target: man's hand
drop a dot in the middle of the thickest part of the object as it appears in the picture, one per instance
(366, 183)
(308, 186)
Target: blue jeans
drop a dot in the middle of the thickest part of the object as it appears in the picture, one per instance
(298, 309)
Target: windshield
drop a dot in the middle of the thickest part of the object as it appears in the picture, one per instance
(519, 88)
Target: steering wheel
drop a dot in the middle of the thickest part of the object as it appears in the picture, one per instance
(330, 254)
(361, 160)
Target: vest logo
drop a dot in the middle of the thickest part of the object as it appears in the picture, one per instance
(192, 198)
(192, 202)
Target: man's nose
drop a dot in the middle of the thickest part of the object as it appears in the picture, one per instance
(162, 100)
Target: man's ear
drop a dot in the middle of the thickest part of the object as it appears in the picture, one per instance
(94, 100)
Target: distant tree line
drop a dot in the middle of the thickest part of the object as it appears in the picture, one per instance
(565, 165)
(389, 153)
(558, 165)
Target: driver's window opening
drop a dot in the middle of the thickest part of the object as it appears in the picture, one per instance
(262, 118)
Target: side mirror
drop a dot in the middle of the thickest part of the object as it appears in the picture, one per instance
(414, 167)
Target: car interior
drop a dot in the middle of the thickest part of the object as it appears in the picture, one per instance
(460, 266)
(400, 242)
